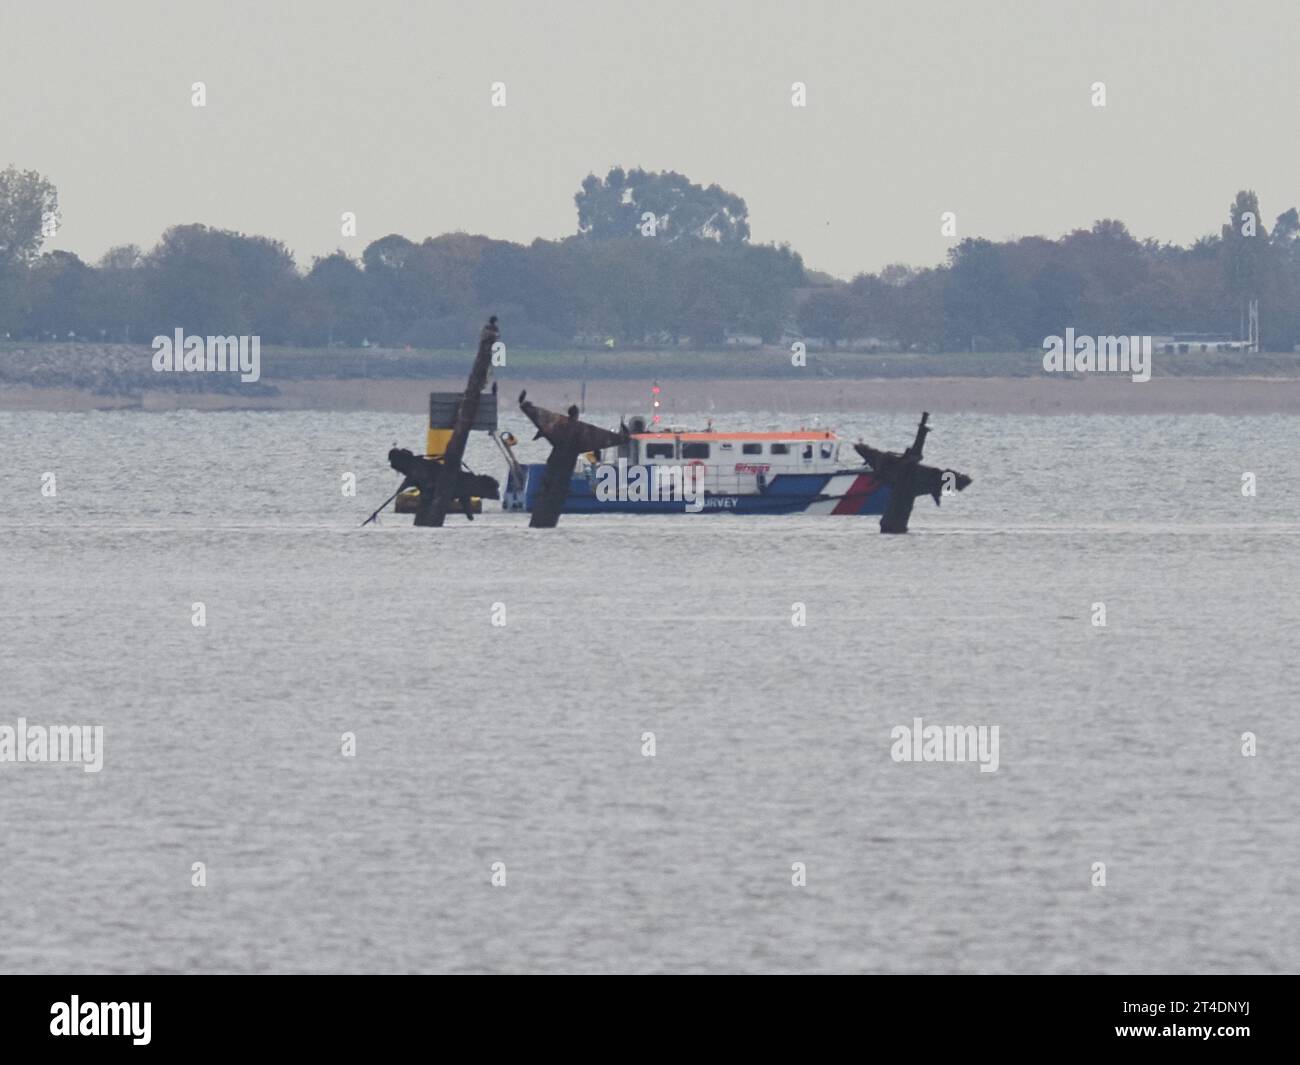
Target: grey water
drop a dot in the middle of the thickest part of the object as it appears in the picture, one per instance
(523, 743)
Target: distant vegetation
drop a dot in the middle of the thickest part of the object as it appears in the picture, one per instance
(657, 262)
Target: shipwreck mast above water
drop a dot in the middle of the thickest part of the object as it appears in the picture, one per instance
(455, 453)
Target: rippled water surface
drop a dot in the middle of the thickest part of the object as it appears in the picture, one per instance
(522, 743)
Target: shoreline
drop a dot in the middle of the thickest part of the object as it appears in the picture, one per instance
(982, 395)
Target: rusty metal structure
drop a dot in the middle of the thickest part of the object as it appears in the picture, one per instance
(453, 458)
(429, 475)
(441, 477)
(908, 479)
(569, 438)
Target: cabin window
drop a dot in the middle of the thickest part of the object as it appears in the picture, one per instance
(828, 450)
(659, 451)
(780, 449)
(752, 449)
(695, 451)
(807, 452)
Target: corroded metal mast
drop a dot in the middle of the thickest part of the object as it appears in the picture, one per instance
(568, 437)
(908, 479)
(455, 453)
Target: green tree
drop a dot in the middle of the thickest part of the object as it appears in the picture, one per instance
(26, 201)
(338, 306)
(826, 311)
(1245, 253)
(118, 301)
(616, 206)
(979, 304)
(214, 281)
(58, 286)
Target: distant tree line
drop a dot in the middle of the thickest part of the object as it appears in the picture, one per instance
(1008, 296)
(656, 261)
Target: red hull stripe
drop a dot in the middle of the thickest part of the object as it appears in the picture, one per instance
(863, 485)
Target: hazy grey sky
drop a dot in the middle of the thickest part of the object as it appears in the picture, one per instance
(914, 109)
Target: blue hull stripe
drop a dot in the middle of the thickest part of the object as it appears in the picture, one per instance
(787, 493)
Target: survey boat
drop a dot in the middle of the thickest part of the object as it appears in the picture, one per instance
(677, 470)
